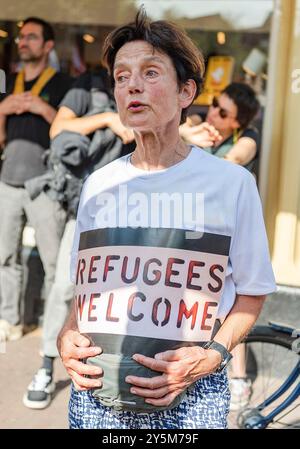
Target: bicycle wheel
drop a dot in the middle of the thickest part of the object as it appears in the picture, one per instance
(270, 359)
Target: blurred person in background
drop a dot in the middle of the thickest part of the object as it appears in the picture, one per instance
(230, 114)
(26, 113)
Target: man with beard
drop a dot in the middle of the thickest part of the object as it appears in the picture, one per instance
(26, 114)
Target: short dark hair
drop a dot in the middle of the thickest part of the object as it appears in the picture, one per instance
(48, 32)
(245, 100)
(164, 36)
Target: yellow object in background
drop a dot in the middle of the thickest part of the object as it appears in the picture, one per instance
(38, 86)
(218, 76)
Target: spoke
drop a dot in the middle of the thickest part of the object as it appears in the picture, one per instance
(270, 370)
(265, 384)
(269, 365)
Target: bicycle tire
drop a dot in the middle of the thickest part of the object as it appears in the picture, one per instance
(267, 334)
(271, 341)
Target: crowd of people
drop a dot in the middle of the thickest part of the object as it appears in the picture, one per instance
(65, 141)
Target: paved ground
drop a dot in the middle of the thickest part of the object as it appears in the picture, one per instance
(22, 359)
(18, 364)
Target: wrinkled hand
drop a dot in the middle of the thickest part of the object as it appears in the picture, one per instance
(203, 135)
(119, 129)
(73, 347)
(180, 369)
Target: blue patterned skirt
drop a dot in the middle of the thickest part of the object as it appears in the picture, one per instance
(205, 406)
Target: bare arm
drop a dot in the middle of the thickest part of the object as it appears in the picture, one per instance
(240, 320)
(67, 120)
(242, 152)
(70, 324)
(48, 113)
(73, 347)
(2, 131)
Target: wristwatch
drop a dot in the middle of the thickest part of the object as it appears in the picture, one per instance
(226, 356)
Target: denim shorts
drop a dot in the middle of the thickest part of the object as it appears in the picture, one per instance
(205, 406)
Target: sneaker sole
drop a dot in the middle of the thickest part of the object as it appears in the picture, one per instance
(7, 334)
(39, 405)
(15, 337)
(4, 338)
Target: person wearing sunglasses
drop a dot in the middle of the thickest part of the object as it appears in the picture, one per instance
(226, 132)
(231, 115)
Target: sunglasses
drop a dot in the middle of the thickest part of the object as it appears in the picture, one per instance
(222, 112)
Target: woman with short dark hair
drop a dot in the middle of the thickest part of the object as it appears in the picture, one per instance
(170, 256)
(164, 37)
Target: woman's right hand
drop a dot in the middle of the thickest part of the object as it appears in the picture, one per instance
(73, 347)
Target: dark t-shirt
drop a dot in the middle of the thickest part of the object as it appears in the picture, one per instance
(80, 98)
(222, 149)
(248, 132)
(27, 135)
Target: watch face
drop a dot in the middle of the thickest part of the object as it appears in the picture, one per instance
(226, 361)
(226, 356)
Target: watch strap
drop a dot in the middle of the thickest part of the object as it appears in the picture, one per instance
(225, 354)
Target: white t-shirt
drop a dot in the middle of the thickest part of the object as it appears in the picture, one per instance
(143, 217)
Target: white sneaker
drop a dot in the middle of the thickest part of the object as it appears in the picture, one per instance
(38, 394)
(241, 390)
(10, 332)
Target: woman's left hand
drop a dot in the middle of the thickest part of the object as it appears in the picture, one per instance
(180, 368)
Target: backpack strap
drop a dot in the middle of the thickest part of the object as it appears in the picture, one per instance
(38, 86)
